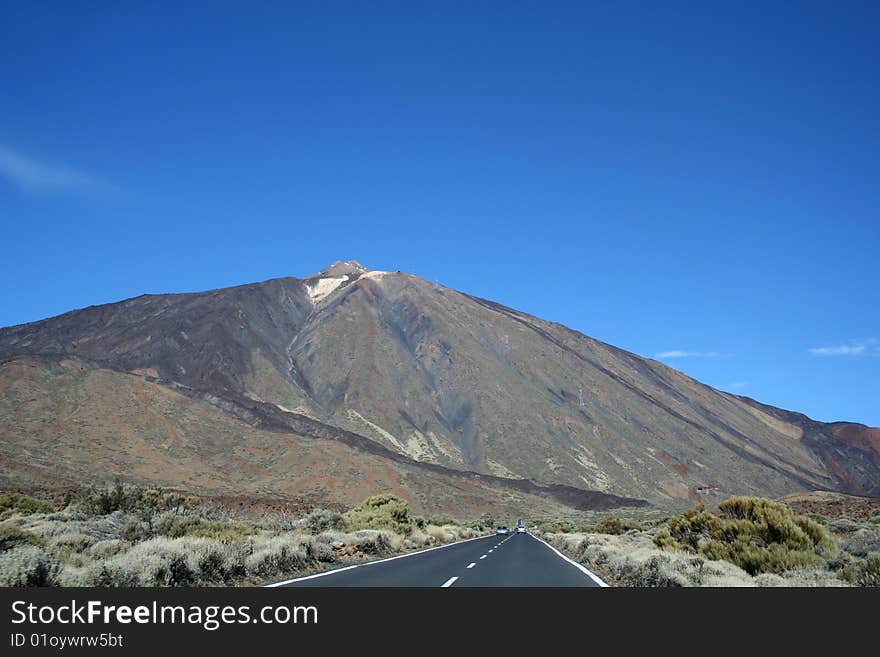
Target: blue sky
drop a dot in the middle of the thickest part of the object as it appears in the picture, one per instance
(697, 182)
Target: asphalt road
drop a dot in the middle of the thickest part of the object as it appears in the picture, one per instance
(516, 560)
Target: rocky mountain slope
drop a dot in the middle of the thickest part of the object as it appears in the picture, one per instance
(433, 379)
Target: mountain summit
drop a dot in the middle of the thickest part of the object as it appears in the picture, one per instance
(424, 375)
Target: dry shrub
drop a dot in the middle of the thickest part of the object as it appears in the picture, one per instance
(108, 548)
(28, 565)
(633, 560)
(281, 555)
(72, 542)
(172, 562)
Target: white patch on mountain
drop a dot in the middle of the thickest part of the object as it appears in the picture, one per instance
(323, 286)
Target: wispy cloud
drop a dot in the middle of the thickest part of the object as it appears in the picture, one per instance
(680, 353)
(738, 385)
(866, 347)
(31, 175)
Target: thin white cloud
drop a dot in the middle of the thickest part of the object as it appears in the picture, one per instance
(680, 353)
(866, 347)
(30, 175)
(738, 385)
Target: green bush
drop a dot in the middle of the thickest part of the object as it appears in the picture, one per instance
(864, 572)
(758, 535)
(134, 499)
(135, 530)
(440, 520)
(485, 521)
(12, 503)
(73, 542)
(322, 520)
(381, 512)
(558, 527)
(175, 526)
(12, 537)
(614, 525)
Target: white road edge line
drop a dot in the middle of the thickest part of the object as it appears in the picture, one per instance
(593, 576)
(473, 564)
(449, 582)
(370, 563)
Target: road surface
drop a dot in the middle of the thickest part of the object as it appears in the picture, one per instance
(515, 560)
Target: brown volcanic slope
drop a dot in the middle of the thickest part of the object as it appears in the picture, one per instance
(405, 370)
(72, 424)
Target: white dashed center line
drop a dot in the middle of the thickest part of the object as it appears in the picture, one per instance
(449, 582)
(472, 565)
(483, 557)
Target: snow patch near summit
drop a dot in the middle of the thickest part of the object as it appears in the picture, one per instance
(324, 286)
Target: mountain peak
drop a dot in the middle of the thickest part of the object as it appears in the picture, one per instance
(332, 278)
(350, 268)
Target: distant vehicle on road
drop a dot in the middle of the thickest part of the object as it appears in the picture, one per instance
(520, 526)
(502, 531)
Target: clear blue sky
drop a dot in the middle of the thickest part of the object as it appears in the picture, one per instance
(698, 177)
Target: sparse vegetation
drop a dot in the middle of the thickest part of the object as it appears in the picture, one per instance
(124, 535)
(748, 542)
(132, 499)
(128, 536)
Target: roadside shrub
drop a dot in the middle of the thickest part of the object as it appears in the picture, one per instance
(485, 521)
(656, 571)
(437, 533)
(27, 565)
(134, 531)
(381, 512)
(862, 543)
(281, 555)
(134, 499)
(614, 525)
(558, 527)
(758, 535)
(633, 560)
(171, 562)
(73, 542)
(176, 526)
(107, 549)
(12, 536)
(864, 572)
(377, 542)
(12, 503)
(322, 520)
(418, 538)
